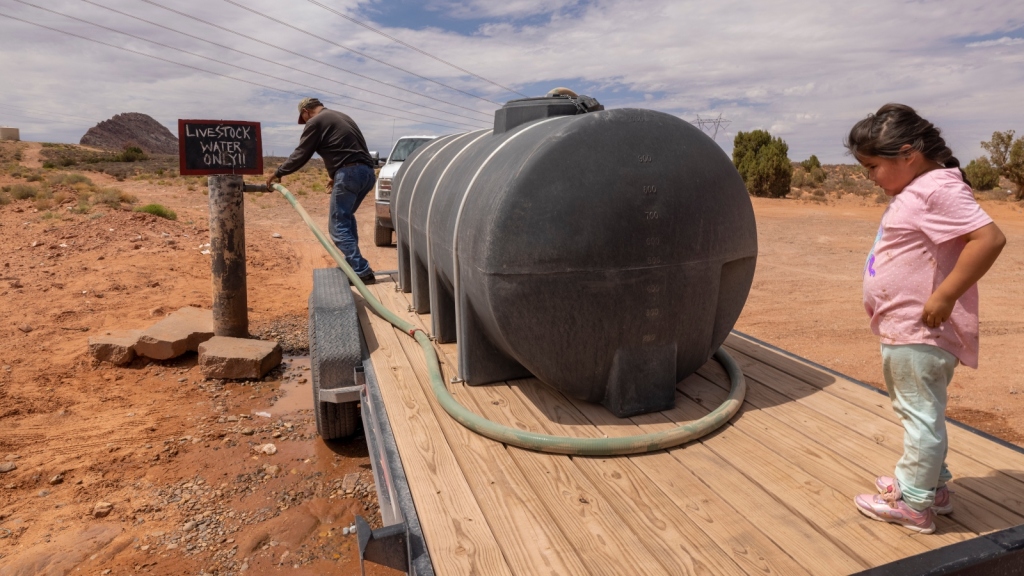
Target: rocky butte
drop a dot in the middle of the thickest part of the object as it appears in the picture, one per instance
(132, 129)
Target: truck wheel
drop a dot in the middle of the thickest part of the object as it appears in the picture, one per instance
(381, 235)
(334, 350)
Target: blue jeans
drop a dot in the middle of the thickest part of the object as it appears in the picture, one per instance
(351, 185)
(917, 376)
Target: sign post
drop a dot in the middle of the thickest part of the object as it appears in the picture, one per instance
(224, 150)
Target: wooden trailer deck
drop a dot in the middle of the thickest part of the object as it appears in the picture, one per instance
(770, 493)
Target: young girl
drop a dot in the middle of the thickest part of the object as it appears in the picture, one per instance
(920, 290)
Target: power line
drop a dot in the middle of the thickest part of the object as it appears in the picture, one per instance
(354, 51)
(293, 53)
(46, 113)
(411, 47)
(229, 64)
(279, 63)
(711, 124)
(198, 69)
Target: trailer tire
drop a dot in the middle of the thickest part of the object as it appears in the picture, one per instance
(335, 351)
(381, 234)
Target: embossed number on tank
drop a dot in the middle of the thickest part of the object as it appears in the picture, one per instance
(650, 190)
(652, 241)
(645, 158)
(651, 214)
(648, 338)
(652, 312)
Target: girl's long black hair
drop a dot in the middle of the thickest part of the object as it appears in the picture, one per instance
(886, 132)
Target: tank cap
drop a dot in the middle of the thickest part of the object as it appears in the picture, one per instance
(517, 112)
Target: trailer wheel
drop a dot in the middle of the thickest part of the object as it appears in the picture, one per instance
(381, 235)
(334, 350)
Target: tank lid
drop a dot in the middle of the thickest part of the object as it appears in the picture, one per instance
(517, 112)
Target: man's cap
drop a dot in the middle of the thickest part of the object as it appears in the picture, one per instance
(307, 103)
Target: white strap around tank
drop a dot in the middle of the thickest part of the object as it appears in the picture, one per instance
(462, 205)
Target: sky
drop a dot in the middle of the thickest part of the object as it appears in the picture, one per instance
(804, 70)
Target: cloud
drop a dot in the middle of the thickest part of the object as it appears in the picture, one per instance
(1004, 41)
(809, 69)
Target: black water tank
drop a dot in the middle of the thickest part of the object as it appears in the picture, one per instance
(608, 254)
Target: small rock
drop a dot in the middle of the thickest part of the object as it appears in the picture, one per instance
(102, 509)
(247, 431)
(275, 235)
(172, 546)
(8, 467)
(58, 479)
(272, 470)
(269, 449)
(188, 527)
(26, 328)
(17, 284)
(157, 312)
(44, 493)
(232, 418)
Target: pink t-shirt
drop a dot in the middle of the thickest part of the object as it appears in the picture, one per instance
(918, 244)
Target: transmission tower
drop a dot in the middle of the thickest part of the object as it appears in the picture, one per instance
(711, 125)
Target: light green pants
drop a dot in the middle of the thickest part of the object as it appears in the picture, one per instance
(916, 376)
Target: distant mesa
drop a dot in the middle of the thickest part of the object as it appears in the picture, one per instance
(131, 129)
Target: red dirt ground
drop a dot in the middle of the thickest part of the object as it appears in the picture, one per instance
(177, 455)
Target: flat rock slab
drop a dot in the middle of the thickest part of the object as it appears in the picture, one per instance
(116, 347)
(181, 331)
(226, 357)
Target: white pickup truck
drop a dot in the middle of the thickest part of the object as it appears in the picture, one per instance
(382, 191)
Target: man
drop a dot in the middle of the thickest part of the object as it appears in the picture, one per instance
(337, 139)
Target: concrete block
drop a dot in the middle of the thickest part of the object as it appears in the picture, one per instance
(226, 357)
(181, 331)
(116, 347)
(9, 134)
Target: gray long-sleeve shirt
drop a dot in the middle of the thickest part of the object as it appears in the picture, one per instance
(335, 137)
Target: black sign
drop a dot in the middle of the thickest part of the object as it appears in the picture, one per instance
(219, 147)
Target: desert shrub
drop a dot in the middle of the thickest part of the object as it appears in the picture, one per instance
(44, 204)
(763, 162)
(49, 164)
(68, 179)
(158, 210)
(811, 163)
(51, 145)
(24, 191)
(112, 197)
(49, 215)
(982, 174)
(131, 154)
(17, 155)
(799, 178)
(5, 198)
(34, 177)
(817, 175)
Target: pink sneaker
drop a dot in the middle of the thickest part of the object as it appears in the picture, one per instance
(943, 503)
(887, 508)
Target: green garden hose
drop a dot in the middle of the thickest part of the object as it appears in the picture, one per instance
(528, 440)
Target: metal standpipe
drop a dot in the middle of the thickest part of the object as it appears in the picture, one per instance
(227, 251)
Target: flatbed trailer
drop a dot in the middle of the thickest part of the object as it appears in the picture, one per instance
(769, 493)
